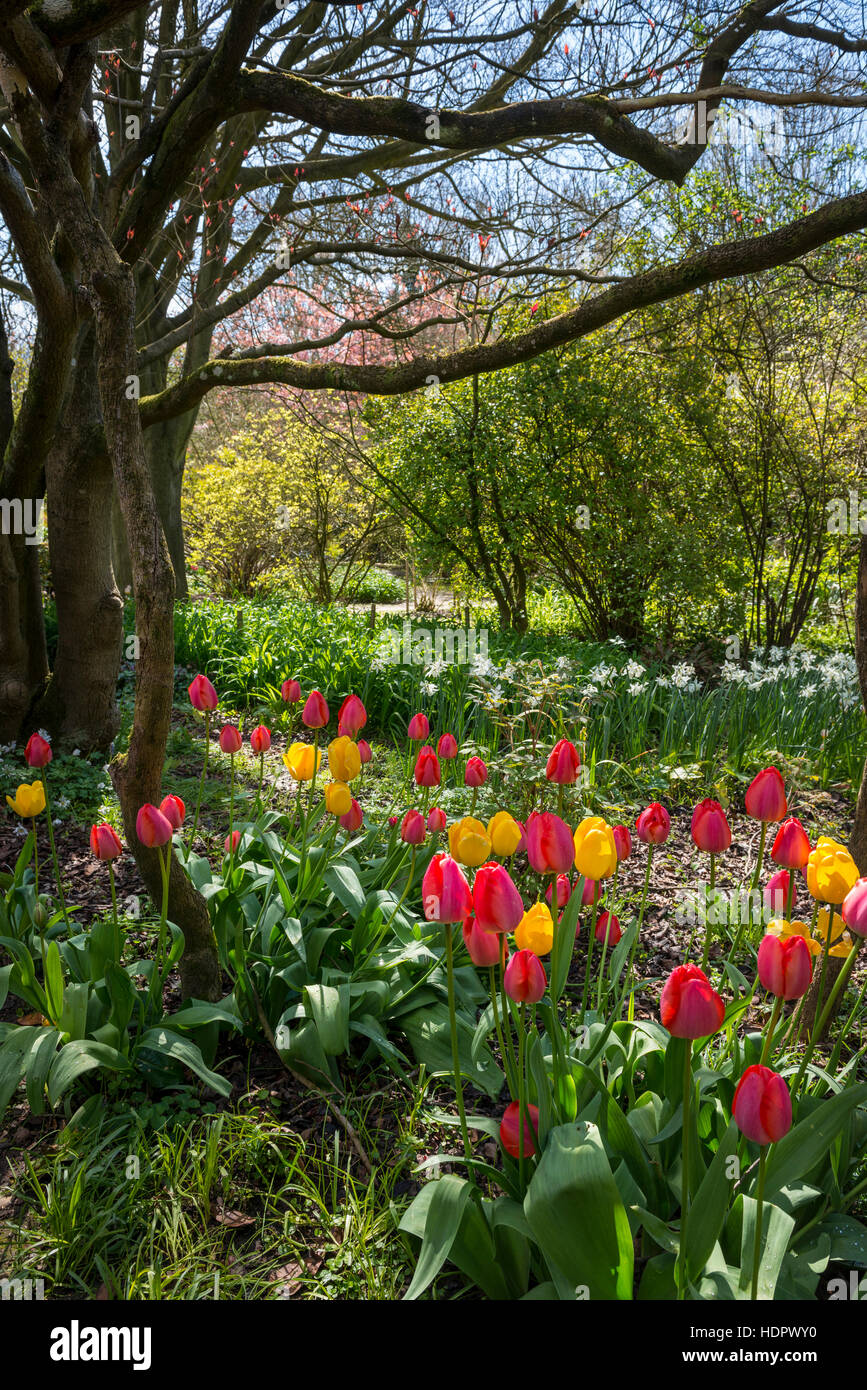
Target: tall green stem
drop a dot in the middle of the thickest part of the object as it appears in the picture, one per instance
(202, 778)
(630, 963)
(757, 1244)
(54, 858)
(682, 1278)
(456, 1060)
(708, 931)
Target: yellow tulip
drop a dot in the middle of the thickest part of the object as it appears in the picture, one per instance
(338, 798)
(834, 930)
(535, 931)
(469, 842)
(504, 833)
(831, 871)
(29, 800)
(299, 759)
(344, 759)
(595, 850)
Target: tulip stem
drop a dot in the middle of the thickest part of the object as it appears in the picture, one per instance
(231, 813)
(202, 778)
(522, 1099)
(602, 966)
(156, 977)
(708, 929)
(508, 1062)
(456, 1059)
(53, 849)
(590, 944)
(117, 942)
(790, 897)
(504, 1001)
(684, 1179)
(631, 961)
(35, 859)
(757, 1244)
(257, 807)
(769, 1036)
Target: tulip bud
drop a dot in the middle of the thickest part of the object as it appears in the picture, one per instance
(174, 811)
(419, 728)
(550, 847)
(152, 827)
(105, 842)
(775, 893)
(653, 825)
(338, 798)
(535, 931)
(39, 915)
(622, 841)
(315, 711)
(564, 763)
(447, 747)
(592, 892)
(260, 739)
(352, 820)
(564, 891)
(412, 829)
(524, 979)
(202, 694)
(351, 717)
(231, 842)
(427, 768)
(710, 829)
(690, 1007)
(785, 966)
(762, 1105)
(483, 946)
(365, 751)
(765, 797)
(791, 847)
(469, 842)
(505, 834)
(510, 1130)
(608, 925)
(38, 751)
(445, 892)
(496, 901)
(290, 692)
(230, 739)
(475, 774)
(344, 759)
(436, 820)
(595, 850)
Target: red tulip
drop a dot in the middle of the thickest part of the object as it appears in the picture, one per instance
(475, 774)
(412, 828)
(710, 829)
(483, 946)
(591, 893)
(447, 746)
(427, 768)
(351, 717)
(609, 924)
(353, 818)
(762, 1106)
(104, 842)
(174, 811)
(525, 980)
(290, 691)
(260, 739)
(496, 901)
(445, 892)
(564, 891)
(564, 764)
(419, 728)
(230, 739)
(38, 751)
(550, 847)
(152, 826)
(765, 797)
(202, 694)
(785, 965)
(436, 819)
(776, 892)
(622, 841)
(392, 820)
(315, 711)
(791, 847)
(653, 825)
(690, 1007)
(365, 752)
(231, 842)
(854, 908)
(510, 1130)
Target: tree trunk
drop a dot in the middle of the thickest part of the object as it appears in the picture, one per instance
(858, 839)
(23, 653)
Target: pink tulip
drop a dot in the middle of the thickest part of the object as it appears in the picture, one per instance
(436, 820)
(513, 1142)
(710, 830)
(105, 842)
(496, 901)
(591, 892)
(653, 825)
(353, 818)
(447, 747)
(791, 847)
(290, 692)
(762, 1106)
(564, 763)
(854, 909)
(427, 768)
(365, 752)
(564, 891)
(476, 774)
(690, 1007)
(412, 829)
(525, 980)
(785, 965)
(445, 892)
(231, 842)
(230, 739)
(174, 811)
(765, 797)
(775, 894)
(622, 841)
(260, 739)
(315, 711)
(38, 751)
(419, 728)
(152, 827)
(202, 694)
(483, 946)
(351, 717)
(550, 847)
